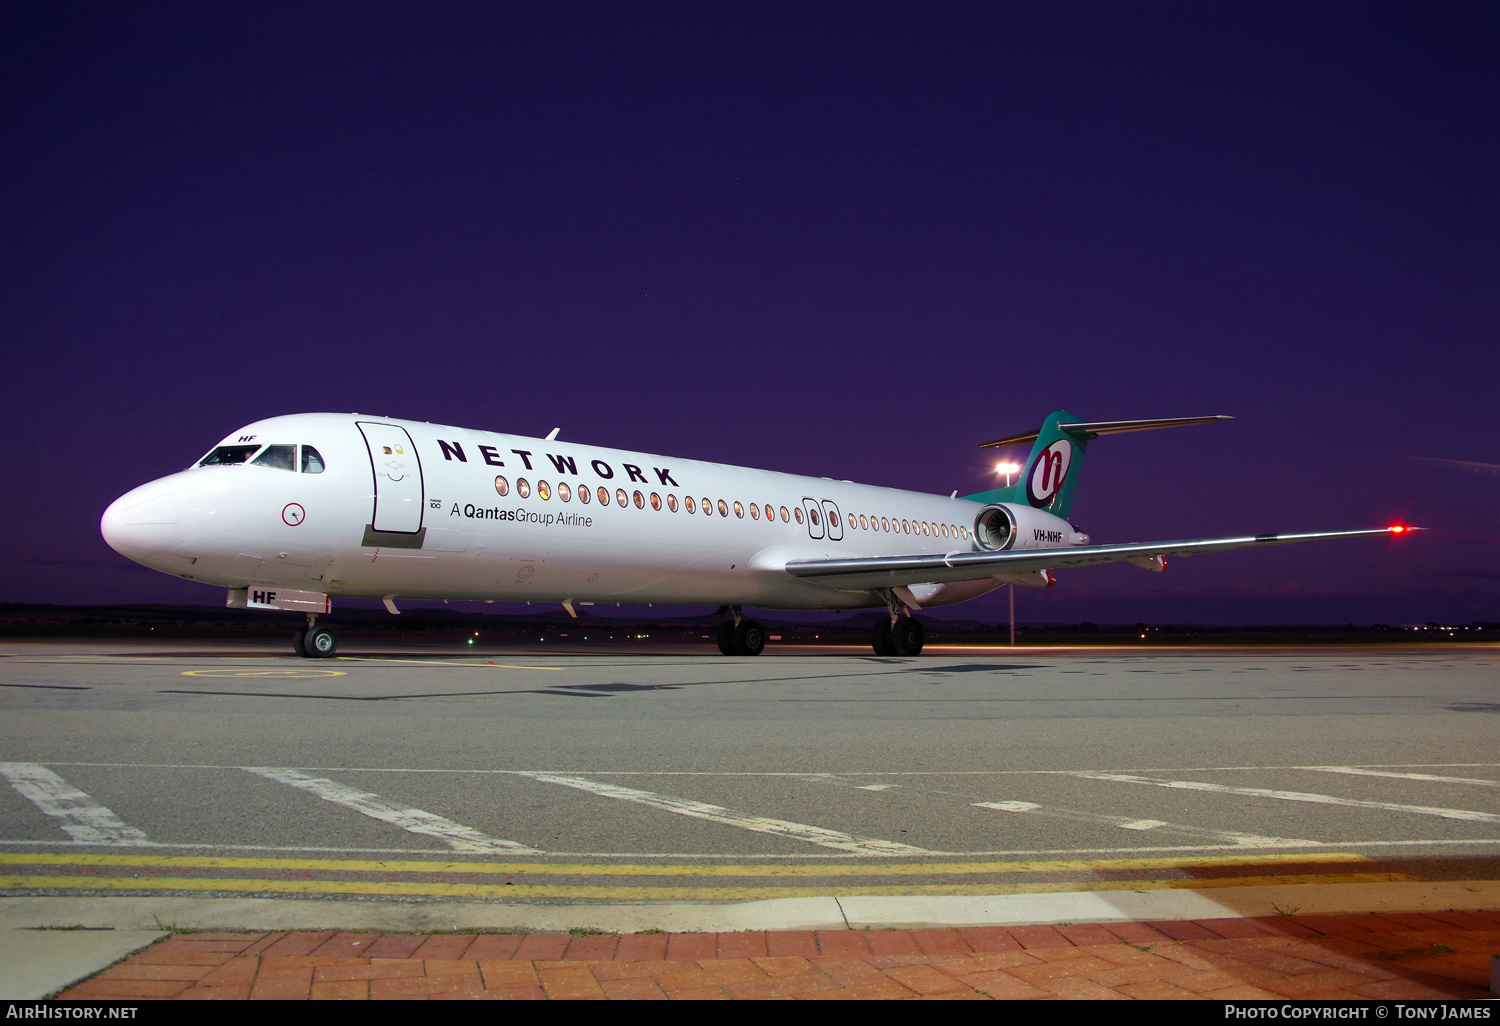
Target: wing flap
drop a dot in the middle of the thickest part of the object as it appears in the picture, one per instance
(859, 574)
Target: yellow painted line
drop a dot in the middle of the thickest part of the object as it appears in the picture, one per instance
(433, 662)
(265, 674)
(626, 869)
(93, 883)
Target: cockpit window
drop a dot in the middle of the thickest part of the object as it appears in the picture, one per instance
(228, 455)
(278, 457)
(312, 460)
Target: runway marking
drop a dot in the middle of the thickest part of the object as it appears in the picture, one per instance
(877, 787)
(1292, 796)
(1357, 771)
(718, 814)
(1178, 850)
(455, 835)
(1239, 840)
(280, 674)
(752, 773)
(641, 869)
(83, 819)
(432, 662)
(629, 893)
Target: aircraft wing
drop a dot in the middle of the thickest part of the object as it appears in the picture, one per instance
(937, 568)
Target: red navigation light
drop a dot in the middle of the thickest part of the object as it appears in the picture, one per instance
(1397, 528)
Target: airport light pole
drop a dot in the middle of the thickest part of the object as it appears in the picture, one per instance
(1008, 469)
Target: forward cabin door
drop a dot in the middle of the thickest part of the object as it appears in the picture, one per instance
(398, 479)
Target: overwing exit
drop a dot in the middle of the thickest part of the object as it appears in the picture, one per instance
(291, 512)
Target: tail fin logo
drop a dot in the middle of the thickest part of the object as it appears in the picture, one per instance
(1048, 471)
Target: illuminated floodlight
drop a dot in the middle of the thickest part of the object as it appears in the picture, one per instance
(1007, 469)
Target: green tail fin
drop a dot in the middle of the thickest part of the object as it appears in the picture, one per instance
(1050, 475)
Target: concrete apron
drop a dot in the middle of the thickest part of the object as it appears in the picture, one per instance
(822, 913)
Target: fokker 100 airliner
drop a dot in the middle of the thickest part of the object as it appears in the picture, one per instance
(287, 512)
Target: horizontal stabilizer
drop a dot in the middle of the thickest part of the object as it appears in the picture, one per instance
(1093, 429)
(863, 573)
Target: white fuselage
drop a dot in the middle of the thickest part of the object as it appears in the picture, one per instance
(423, 511)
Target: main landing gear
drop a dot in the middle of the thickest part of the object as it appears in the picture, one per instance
(314, 642)
(901, 635)
(741, 636)
(902, 638)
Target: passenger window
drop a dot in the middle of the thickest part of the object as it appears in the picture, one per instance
(543, 490)
(502, 486)
(603, 496)
(671, 502)
(312, 460)
(723, 508)
(739, 511)
(228, 456)
(688, 504)
(656, 502)
(815, 518)
(564, 492)
(784, 517)
(924, 530)
(905, 527)
(640, 500)
(863, 524)
(754, 511)
(708, 507)
(944, 529)
(798, 514)
(621, 497)
(963, 532)
(584, 495)
(885, 525)
(278, 457)
(523, 487)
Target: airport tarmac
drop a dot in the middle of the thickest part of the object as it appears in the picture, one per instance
(554, 777)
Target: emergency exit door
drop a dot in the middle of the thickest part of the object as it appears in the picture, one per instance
(398, 479)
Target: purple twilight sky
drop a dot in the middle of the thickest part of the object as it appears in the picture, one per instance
(849, 240)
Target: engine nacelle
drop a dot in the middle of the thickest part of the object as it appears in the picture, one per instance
(1007, 526)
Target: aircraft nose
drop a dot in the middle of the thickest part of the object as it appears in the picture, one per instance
(143, 522)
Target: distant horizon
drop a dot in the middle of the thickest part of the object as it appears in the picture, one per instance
(644, 615)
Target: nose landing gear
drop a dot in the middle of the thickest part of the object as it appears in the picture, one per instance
(314, 642)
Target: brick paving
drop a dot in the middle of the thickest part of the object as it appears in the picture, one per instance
(1354, 957)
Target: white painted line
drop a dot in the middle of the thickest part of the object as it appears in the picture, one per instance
(1292, 796)
(1143, 824)
(83, 819)
(877, 787)
(1007, 806)
(718, 814)
(1357, 771)
(416, 821)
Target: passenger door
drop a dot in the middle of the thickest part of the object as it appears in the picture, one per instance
(835, 522)
(398, 479)
(813, 515)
